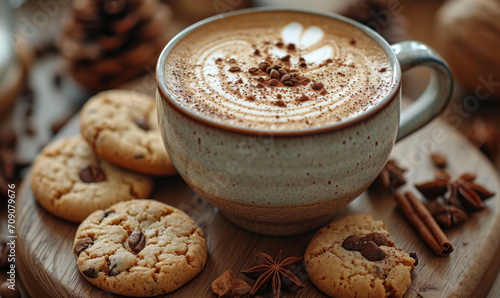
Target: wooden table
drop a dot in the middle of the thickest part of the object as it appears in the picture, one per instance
(56, 103)
(45, 256)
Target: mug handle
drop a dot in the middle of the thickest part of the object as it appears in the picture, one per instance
(437, 94)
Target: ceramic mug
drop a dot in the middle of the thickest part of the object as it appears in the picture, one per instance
(290, 182)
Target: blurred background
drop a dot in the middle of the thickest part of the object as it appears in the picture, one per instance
(55, 54)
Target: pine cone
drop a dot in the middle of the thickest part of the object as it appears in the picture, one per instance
(379, 16)
(106, 43)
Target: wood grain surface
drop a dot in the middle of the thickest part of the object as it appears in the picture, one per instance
(48, 269)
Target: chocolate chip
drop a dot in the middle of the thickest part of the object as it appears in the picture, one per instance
(279, 44)
(137, 241)
(286, 77)
(234, 69)
(253, 70)
(291, 46)
(288, 83)
(372, 252)
(303, 64)
(82, 244)
(353, 41)
(251, 98)
(352, 242)
(383, 69)
(282, 71)
(377, 238)
(415, 257)
(256, 52)
(143, 124)
(106, 213)
(91, 272)
(92, 174)
(273, 82)
(264, 65)
(274, 74)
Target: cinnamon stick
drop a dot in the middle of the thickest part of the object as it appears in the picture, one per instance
(426, 226)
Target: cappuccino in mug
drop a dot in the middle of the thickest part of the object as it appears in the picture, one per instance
(275, 70)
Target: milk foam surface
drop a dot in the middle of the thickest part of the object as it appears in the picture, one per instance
(208, 71)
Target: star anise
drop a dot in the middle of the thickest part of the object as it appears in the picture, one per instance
(463, 189)
(390, 178)
(275, 271)
(448, 216)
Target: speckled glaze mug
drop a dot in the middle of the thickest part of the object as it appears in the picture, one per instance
(290, 182)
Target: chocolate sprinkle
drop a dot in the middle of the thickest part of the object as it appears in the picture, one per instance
(285, 58)
(317, 86)
(303, 98)
(280, 103)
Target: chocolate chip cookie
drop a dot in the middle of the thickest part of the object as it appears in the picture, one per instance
(122, 127)
(139, 248)
(352, 257)
(71, 182)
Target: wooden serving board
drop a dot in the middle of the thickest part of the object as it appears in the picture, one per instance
(48, 269)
